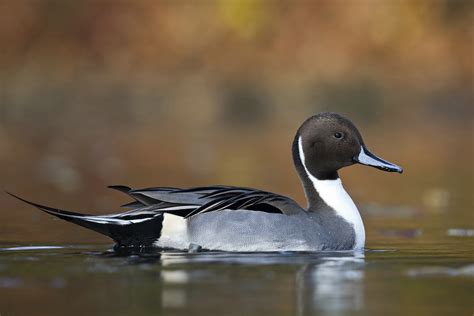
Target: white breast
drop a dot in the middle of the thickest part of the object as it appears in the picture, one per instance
(333, 194)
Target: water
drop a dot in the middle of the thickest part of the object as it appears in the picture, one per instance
(406, 271)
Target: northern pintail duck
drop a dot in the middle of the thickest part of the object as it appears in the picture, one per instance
(242, 219)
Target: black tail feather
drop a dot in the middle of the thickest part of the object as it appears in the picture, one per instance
(121, 188)
(125, 233)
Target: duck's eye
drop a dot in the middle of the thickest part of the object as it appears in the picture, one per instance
(338, 135)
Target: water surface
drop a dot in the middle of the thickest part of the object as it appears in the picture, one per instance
(409, 275)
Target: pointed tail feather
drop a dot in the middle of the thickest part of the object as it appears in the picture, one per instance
(125, 232)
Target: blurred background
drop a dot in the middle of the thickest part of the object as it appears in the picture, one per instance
(182, 93)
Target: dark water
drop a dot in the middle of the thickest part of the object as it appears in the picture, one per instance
(412, 274)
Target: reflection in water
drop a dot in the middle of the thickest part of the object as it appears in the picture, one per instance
(33, 248)
(331, 283)
(155, 282)
(175, 277)
(328, 283)
(332, 286)
(174, 297)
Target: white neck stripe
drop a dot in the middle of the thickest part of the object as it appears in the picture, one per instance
(333, 194)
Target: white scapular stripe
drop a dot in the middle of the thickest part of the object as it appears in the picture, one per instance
(333, 194)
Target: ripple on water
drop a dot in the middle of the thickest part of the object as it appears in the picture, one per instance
(460, 232)
(10, 282)
(467, 270)
(25, 248)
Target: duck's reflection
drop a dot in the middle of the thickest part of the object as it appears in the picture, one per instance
(333, 286)
(330, 284)
(174, 294)
(262, 283)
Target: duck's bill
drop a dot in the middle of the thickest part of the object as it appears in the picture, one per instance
(367, 158)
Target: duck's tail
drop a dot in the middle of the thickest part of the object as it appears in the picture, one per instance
(127, 230)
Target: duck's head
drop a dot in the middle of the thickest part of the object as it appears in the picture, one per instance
(328, 142)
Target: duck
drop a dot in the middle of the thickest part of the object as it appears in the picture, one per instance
(241, 219)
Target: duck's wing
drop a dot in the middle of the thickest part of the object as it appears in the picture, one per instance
(142, 225)
(199, 200)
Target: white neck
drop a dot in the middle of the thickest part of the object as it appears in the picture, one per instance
(333, 194)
